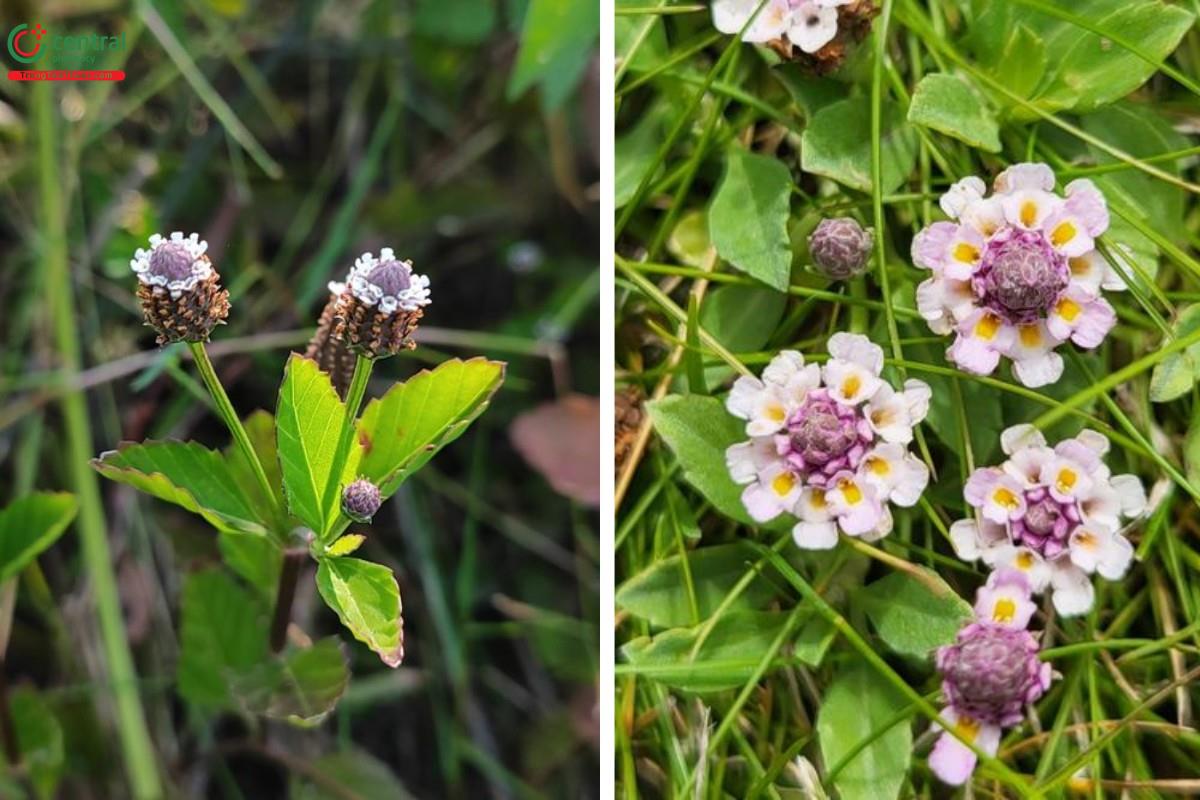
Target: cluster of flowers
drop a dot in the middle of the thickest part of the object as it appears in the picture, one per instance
(1015, 274)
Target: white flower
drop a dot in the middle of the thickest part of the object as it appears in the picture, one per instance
(388, 283)
(177, 264)
(813, 25)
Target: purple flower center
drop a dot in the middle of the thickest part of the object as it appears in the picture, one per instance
(172, 261)
(1021, 276)
(393, 277)
(823, 438)
(991, 672)
(1046, 524)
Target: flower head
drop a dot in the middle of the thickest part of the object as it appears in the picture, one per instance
(840, 248)
(179, 289)
(379, 306)
(818, 29)
(828, 445)
(1052, 513)
(1016, 274)
(360, 500)
(989, 675)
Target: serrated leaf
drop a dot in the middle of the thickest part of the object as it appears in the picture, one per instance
(699, 430)
(855, 707)
(946, 104)
(729, 655)
(302, 687)
(345, 545)
(747, 220)
(910, 617)
(837, 145)
(31, 524)
(402, 430)
(658, 595)
(188, 475)
(255, 557)
(308, 423)
(366, 598)
(1175, 375)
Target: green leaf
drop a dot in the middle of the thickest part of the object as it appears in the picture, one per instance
(635, 152)
(698, 430)
(224, 661)
(946, 104)
(729, 655)
(653, 50)
(1022, 62)
(255, 557)
(223, 634)
(837, 145)
(40, 740)
(556, 44)
(1088, 71)
(856, 707)
(188, 475)
(1174, 376)
(354, 773)
(910, 617)
(367, 601)
(302, 687)
(402, 430)
(260, 428)
(345, 545)
(31, 524)
(742, 318)
(748, 217)
(658, 594)
(307, 425)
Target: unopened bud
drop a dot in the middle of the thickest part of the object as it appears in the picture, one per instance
(840, 248)
(360, 500)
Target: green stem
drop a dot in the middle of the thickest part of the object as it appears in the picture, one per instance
(140, 760)
(354, 398)
(234, 424)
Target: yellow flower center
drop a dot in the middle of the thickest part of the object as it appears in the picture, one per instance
(1004, 610)
(783, 483)
(1063, 232)
(1079, 266)
(966, 253)
(1005, 498)
(879, 466)
(850, 386)
(775, 413)
(987, 327)
(818, 499)
(1028, 213)
(967, 728)
(1068, 309)
(1025, 561)
(851, 492)
(1031, 335)
(1066, 480)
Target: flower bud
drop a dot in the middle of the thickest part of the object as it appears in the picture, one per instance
(378, 311)
(840, 248)
(360, 500)
(180, 291)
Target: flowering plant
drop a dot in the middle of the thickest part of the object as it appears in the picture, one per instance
(989, 674)
(828, 444)
(1053, 514)
(1017, 274)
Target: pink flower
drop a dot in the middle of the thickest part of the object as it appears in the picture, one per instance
(829, 446)
(1053, 514)
(1016, 274)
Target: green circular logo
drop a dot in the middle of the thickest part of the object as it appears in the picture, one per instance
(25, 43)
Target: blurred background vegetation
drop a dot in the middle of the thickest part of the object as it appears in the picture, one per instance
(293, 137)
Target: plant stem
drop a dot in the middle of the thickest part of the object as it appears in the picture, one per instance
(354, 398)
(233, 423)
(289, 576)
(8, 731)
(140, 760)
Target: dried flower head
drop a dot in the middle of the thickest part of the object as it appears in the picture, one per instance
(360, 500)
(332, 354)
(179, 289)
(989, 675)
(1016, 274)
(828, 446)
(816, 33)
(840, 248)
(1053, 514)
(379, 308)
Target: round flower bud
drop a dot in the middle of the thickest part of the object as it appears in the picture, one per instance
(840, 248)
(180, 291)
(360, 500)
(991, 672)
(1021, 275)
(820, 435)
(380, 306)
